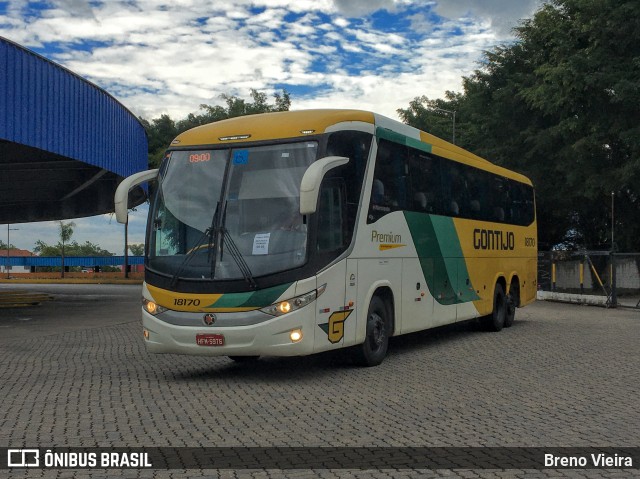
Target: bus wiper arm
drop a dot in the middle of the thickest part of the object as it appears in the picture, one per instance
(221, 235)
(214, 240)
(239, 259)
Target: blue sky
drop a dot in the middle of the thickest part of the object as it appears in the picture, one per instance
(170, 56)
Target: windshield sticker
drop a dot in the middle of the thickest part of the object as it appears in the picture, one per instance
(241, 157)
(261, 243)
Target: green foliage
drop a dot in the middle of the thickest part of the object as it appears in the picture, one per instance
(161, 131)
(70, 249)
(137, 249)
(433, 116)
(561, 106)
(66, 231)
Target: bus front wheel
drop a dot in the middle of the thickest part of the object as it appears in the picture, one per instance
(495, 321)
(374, 349)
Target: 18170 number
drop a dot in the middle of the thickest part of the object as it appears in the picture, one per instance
(186, 302)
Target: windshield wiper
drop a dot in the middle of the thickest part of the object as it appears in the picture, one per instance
(208, 233)
(238, 258)
(234, 251)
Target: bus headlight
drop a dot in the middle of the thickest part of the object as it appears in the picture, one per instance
(151, 307)
(289, 305)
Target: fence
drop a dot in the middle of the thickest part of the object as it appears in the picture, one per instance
(596, 277)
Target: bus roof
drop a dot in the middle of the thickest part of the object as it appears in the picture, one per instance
(301, 123)
(269, 126)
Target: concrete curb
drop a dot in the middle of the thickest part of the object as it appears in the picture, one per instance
(588, 299)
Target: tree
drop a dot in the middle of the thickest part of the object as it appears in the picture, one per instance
(161, 131)
(71, 249)
(3, 246)
(137, 249)
(560, 105)
(433, 116)
(66, 231)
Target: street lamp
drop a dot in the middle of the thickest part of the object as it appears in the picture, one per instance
(453, 115)
(7, 265)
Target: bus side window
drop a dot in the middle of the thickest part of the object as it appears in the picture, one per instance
(424, 177)
(389, 188)
(454, 189)
(498, 197)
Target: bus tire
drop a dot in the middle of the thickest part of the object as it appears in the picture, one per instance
(496, 320)
(376, 342)
(244, 359)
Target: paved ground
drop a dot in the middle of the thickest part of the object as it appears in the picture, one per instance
(75, 373)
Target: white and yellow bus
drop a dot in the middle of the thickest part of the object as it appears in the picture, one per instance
(293, 233)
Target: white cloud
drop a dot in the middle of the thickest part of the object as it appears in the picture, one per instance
(358, 8)
(160, 56)
(503, 15)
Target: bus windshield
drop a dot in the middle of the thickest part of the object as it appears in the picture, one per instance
(211, 203)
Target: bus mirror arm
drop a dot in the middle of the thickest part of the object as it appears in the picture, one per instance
(311, 180)
(121, 198)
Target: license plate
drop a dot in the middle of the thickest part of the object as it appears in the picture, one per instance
(209, 339)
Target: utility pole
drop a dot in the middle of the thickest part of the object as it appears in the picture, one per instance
(614, 295)
(126, 247)
(8, 243)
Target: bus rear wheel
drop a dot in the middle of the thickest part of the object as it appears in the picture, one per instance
(496, 320)
(512, 302)
(376, 342)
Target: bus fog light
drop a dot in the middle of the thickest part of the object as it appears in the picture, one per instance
(146, 334)
(295, 335)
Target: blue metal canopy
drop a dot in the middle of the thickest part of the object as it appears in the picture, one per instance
(65, 144)
(91, 261)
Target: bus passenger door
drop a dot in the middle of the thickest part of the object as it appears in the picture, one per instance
(334, 316)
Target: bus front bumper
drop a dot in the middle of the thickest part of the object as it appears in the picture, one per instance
(272, 337)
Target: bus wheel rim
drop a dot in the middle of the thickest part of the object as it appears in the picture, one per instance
(378, 331)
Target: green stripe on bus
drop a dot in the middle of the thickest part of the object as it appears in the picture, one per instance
(441, 259)
(253, 299)
(385, 134)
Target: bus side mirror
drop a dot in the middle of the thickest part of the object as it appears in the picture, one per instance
(310, 184)
(122, 192)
